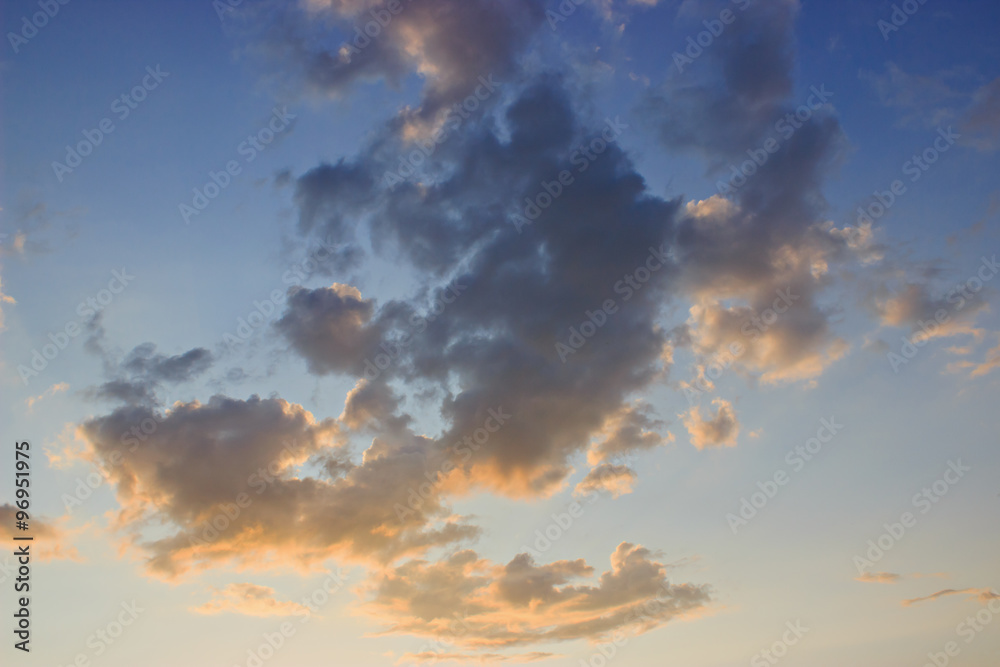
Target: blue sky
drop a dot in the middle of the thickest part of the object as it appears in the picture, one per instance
(652, 425)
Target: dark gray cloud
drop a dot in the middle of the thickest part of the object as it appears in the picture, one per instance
(136, 377)
(523, 289)
(765, 234)
(144, 361)
(722, 106)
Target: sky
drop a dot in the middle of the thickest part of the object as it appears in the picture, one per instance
(463, 332)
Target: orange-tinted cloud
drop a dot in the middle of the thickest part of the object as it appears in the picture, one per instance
(51, 541)
(719, 430)
(223, 476)
(249, 600)
(981, 594)
(880, 577)
(476, 604)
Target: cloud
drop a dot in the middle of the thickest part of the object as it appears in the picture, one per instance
(57, 388)
(138, 375)
(634, 428)
(449, 43)
(249, 600)
(145, 362)
(475, 604)
(893, 578)
(880, 578)
(720, 430)
(497, 337)
(982, 118)
(191, 468)
(914, 306)
(51, 540)
(725, 107)
(926, 100)
(981, 594)
(991, 363)
(950, 97)
(515, 278)
(794, 345)
(614, 479)
(4, 299)
(433, 657)
(330, 327)
(767, 235)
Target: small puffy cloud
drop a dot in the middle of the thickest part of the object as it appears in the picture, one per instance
(331, 328)
(719, 430)
(523, 603)
(632, 429)
(249, 600)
